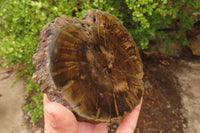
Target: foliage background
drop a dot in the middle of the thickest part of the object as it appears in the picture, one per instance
(22, 20)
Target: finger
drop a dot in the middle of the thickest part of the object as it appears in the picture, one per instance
(46, 121)
(45, 99)
(85, 127)
(128, 123)
(101, 128)
(61, 119)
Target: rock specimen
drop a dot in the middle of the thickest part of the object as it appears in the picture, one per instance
(92, 66)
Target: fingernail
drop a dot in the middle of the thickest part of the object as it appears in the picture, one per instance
(51, 118)
(45, 99)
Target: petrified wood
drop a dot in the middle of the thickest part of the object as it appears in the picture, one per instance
(92, 66)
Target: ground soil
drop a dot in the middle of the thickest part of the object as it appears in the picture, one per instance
(162, 103)
(167, 107)
(190, 95)
(12, 100)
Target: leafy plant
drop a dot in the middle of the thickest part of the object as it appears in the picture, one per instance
(35, 108)
(22, 21)
(167, 19)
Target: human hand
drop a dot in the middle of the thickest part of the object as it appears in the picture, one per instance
(58, 119)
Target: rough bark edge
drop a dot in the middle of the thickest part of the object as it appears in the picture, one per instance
(41, 59)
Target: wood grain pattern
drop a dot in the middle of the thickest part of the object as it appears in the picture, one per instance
(94, 65)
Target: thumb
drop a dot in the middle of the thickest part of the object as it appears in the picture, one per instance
(59, 119)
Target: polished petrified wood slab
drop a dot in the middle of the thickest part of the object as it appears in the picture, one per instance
(92, 66)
